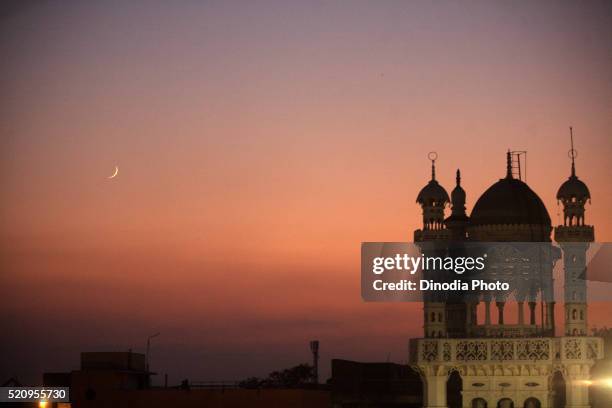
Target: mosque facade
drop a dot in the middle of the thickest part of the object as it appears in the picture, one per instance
(524, 363)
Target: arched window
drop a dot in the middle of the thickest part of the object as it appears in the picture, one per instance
(439, 317)
(582, 315)
(505, 403)
(532, 403)
(574, 314)
(479, 403)
(454, 385)
(558, 387)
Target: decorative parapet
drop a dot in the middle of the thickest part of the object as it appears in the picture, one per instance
(432, 235)
(583, 233)
(507, 330)
(509, 232)
(541, 349)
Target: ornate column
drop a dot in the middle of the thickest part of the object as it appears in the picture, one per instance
(550, 316)
(468, 317)
(434, 382)
(577, 390)
(500, 312)
(487, 312)
(471, 317)
(532, 308)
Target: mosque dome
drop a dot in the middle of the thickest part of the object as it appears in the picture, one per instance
(573, 189)
(573, 193)
(433, 193)
(509, 201)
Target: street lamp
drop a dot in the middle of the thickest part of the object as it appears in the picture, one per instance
(149, 348)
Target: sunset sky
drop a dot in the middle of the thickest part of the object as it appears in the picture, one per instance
(258, 144)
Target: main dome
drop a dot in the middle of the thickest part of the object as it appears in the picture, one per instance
(508, 202)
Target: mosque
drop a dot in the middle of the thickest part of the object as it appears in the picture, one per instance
(503, 364)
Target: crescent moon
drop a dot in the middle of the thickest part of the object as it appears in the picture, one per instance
(115, 173)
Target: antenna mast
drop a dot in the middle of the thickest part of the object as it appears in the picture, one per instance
(516, 167)
(572, 153)
(314, 347)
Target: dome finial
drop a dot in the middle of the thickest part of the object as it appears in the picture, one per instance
(433, 199)
(573, 193)
(433, 156)
(458, 177)
(509, 164)
(572, 153)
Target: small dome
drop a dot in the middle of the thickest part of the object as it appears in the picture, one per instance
(509, 201)
(573, 188)
(432, 192)
(458, 195)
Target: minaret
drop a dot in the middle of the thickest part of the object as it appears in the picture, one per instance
(458, 220)
(461, 312)
(433, 199)
(574, 237)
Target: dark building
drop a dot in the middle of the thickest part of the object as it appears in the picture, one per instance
(355, 384)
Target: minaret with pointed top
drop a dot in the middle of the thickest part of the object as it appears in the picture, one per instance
(573, 193)
(574, 237)
(458, 221)
(433, 199)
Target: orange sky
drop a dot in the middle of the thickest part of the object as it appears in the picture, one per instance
(258, 147)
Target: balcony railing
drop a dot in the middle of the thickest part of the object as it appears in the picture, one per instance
(505, 350)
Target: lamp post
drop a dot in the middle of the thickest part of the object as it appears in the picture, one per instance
(149, 349)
